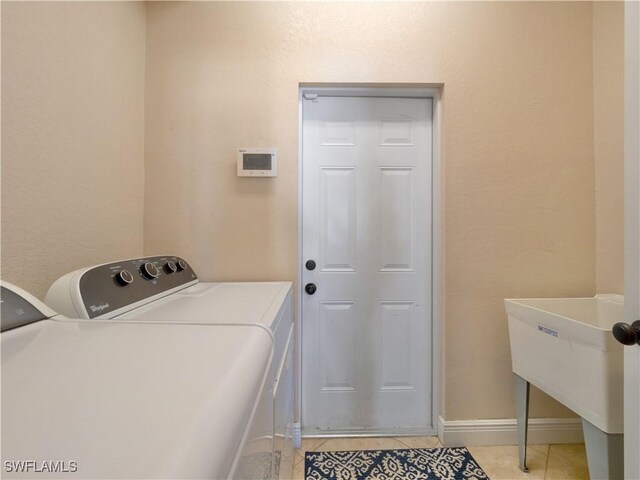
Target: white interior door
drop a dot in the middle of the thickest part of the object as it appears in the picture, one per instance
(632, 237)
(366, 195)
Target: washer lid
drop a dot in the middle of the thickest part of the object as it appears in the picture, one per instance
(222, 303)
(130, 400)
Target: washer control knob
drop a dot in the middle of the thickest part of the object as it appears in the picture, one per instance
(182, 265)
(124, 277)
(170, 267)
(149, 271)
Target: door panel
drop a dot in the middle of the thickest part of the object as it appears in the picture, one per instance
(397, 328)
(338, 219)
(396, 219)
(367, 224)
(339, 327)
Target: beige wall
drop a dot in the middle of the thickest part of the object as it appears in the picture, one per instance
(608, 123)
(72, 137)
(532, 130)
(518, 147)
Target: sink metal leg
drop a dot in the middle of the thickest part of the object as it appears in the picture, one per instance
(522, 418)
(605, 453)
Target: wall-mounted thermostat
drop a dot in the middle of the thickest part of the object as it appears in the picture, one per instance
(257, 162)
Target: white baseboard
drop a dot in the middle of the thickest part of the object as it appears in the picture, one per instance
(454, 433)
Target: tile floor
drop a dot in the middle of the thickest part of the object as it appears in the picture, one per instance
(553, 462)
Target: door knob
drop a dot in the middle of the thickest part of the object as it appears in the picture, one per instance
(311, 265)
(310, 288)
(627, 334)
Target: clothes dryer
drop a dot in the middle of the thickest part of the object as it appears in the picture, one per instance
(124, 399)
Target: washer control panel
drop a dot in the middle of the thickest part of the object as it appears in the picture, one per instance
(114, 286)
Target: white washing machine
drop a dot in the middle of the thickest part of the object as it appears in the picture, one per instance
(122, 399)
(165, 288)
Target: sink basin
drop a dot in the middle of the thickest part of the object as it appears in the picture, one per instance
(564, 346)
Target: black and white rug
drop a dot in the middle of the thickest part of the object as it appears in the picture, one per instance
(409, 464)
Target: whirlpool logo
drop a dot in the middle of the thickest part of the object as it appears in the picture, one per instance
(99, 308)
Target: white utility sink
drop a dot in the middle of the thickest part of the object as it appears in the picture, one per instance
(564, 346)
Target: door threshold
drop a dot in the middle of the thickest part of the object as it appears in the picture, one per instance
(377, 432)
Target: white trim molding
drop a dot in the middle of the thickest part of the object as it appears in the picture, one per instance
(454, 433)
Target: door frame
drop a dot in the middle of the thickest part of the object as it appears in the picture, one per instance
(435, 93)
(632, 235)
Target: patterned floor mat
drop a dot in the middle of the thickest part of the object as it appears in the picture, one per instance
(409, 464)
